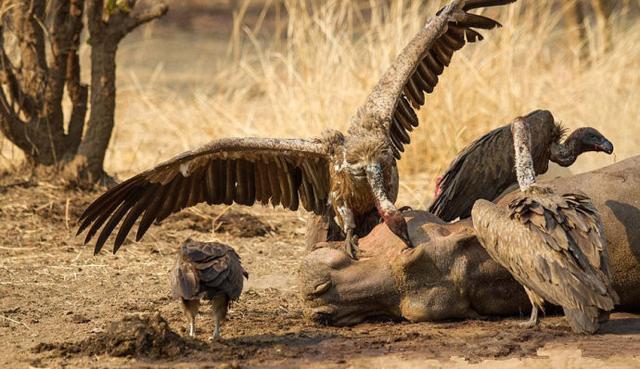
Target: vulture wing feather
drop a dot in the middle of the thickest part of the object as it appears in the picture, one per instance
(485, 168)
(187, 180)
(415, 71)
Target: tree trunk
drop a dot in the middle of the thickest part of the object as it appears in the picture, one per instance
(31, 94)
(93, 148)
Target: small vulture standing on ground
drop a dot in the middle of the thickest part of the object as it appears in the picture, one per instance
(485, 169)
(337, 176)
(207, 270)
(553, 245)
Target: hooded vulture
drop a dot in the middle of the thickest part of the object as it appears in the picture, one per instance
(207, 270)
(337, 176)
(554, 245)
(485, 169)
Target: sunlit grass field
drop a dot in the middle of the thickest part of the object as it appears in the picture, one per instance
(298, 74)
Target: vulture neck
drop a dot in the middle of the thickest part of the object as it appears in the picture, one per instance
(523, 161)
(566, 153)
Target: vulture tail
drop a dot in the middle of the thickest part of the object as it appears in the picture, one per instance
(583, 321)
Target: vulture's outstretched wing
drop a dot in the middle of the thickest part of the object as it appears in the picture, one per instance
(540, 248)
(415, 71)
(485, 168)
(240, 170)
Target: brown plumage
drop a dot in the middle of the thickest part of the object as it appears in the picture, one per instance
(210, 271)
(554, 245)
(485, 169)
(338, 177)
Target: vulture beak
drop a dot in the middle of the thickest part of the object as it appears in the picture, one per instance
(605, 146)
(387, 210)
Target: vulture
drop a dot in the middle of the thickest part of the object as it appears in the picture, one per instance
(485, 169)
(207, 270)
(554, 245)
(341, 177)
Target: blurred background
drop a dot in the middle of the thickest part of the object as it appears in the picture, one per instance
(218, 68)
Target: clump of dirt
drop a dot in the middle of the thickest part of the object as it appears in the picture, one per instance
(233, 222)
(144, 335)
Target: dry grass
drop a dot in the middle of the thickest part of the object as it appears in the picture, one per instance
(178, 90)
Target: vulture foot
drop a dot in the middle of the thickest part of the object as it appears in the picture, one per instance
(533, 320)
(351, 247)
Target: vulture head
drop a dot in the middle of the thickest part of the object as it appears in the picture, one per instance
(580, 141)
(589, 139)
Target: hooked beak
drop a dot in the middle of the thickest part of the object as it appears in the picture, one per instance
(605, 146)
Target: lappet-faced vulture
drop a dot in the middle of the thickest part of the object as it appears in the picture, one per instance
(341, 176)
(554, 245)
(485, 169)
(210, 271)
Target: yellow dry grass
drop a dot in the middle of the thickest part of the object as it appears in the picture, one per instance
(330, 54)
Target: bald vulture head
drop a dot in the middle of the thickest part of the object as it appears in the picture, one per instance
(210, 271)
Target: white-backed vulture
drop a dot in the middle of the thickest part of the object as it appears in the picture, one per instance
(338, 176)
(485, 168)
(554, 245)
(210, 271)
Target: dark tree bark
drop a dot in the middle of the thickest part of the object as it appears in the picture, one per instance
(32, 84)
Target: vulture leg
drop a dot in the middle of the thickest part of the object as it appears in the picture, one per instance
(191, 308)
(219, 305)
(535, 302)
(533, 320)
(351, 241)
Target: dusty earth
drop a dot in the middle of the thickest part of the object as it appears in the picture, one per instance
(60, 306)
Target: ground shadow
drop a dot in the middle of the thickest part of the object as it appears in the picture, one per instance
(622, 326)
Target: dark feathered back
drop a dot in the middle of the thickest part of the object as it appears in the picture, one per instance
(555, 246)
(207, 269)
(485, 169)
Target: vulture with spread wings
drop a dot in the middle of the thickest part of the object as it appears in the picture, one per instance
(337, 176)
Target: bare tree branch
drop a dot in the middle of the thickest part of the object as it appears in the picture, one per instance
(122, 23)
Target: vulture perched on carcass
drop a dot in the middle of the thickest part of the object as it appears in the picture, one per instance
(554, 245)
(485, 169)
(341, 177)
(207, 270)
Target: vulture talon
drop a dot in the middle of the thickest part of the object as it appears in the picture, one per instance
(351, 247)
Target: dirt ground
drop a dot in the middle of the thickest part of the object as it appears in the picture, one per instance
(60, 306)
